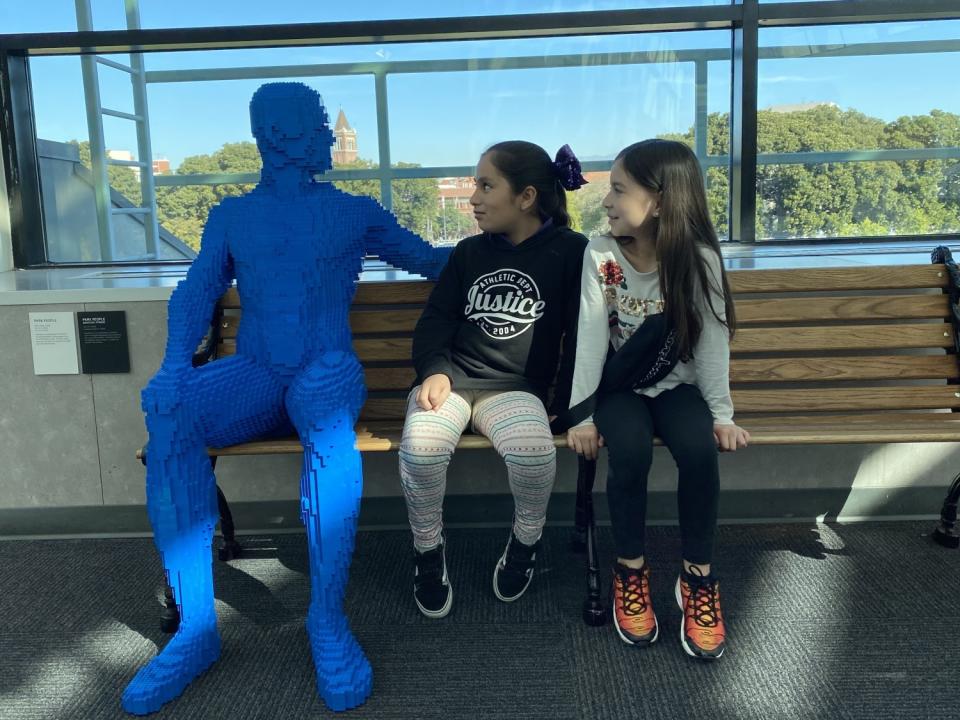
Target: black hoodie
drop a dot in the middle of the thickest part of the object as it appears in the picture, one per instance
(496, 317)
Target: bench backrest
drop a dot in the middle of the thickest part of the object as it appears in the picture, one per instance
(809, 341)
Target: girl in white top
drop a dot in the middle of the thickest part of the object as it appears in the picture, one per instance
(661, 256)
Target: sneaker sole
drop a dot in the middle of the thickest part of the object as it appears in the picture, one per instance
(501, 563)
(683, 636)
(442, 612)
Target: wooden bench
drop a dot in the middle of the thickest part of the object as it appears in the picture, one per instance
(821, 356)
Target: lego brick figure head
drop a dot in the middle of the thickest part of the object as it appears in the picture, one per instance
(291, 127)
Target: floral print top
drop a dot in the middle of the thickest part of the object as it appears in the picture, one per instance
(614, 291)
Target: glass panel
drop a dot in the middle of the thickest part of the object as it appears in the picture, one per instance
(597, 94)
(832, 101)
(58, 15)
(37, 17)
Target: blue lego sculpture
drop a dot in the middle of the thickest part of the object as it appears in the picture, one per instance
(295, 247)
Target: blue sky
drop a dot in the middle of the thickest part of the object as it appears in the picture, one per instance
(449, 118)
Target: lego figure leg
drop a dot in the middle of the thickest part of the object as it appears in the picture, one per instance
(182, 506)
(323, 404)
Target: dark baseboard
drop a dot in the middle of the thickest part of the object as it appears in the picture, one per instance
(796, 505)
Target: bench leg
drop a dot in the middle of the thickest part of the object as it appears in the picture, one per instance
(947, 532)
(594, 609)
(169, 614)
(230, 548)
(578, 538)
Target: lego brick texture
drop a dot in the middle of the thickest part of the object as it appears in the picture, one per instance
(294, 245)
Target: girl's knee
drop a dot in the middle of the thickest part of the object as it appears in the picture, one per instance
(697, 457)
(418, 459)
(532, 458)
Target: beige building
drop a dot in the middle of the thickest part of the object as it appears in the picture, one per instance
(345, 147)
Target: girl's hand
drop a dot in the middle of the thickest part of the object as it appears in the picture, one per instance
(434, 392)
(730, 437)
(585, 440)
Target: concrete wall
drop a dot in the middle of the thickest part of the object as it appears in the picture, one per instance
(69, 441)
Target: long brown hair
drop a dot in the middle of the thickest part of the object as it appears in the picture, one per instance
(671, 168)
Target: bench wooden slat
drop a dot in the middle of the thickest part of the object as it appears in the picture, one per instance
(877, 419)
(870, 307)
(846, 337)
(396, 350)
(842, 337)
(763, 370)
(846, 399)
(362, 322)
(393, 292)
(886, 367)
(844, 429)
(389, 378)
(388, 408)
(884, 277)
(881, 277)
(774, 310)
(835, 429)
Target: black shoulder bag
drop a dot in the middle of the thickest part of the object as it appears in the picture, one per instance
(645, 359)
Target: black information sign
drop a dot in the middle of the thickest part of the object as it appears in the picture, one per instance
(103, 341)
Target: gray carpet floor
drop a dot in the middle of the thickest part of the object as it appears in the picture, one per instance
(825, 621)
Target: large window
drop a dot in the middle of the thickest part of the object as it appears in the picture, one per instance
(858, 134)
(442, 104)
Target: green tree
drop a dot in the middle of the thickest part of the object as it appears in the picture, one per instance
(587, 202)
(842, 198)
(451, 224)
(183, 209)
(575, 211)
(415, 201)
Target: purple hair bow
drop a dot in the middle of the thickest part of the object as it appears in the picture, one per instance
(567, 168)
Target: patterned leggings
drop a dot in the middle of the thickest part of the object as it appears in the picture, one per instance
(516, 423)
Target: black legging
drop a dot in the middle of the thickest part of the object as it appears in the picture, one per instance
(680, 417)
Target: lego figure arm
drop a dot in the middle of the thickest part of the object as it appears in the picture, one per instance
(192, 301)
(387, 239)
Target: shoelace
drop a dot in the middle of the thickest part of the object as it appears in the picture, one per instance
(634, 592)
(519, 557)
(430, 567)
(703, 597)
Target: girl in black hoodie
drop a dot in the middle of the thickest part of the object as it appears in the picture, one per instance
(487, 349)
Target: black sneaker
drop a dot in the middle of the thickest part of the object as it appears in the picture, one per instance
(431, 586)
(514, 570)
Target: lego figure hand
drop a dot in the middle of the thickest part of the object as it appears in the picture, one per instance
(434, 392)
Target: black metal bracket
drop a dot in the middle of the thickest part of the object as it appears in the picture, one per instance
(594, 609)
(947, 532)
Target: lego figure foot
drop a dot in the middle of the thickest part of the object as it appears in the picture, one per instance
(344, 676)
(188, 654)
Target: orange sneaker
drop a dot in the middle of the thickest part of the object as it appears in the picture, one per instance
(633, 615)
(702, 632)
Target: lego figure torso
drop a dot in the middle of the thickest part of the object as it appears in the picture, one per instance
(296, 264)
